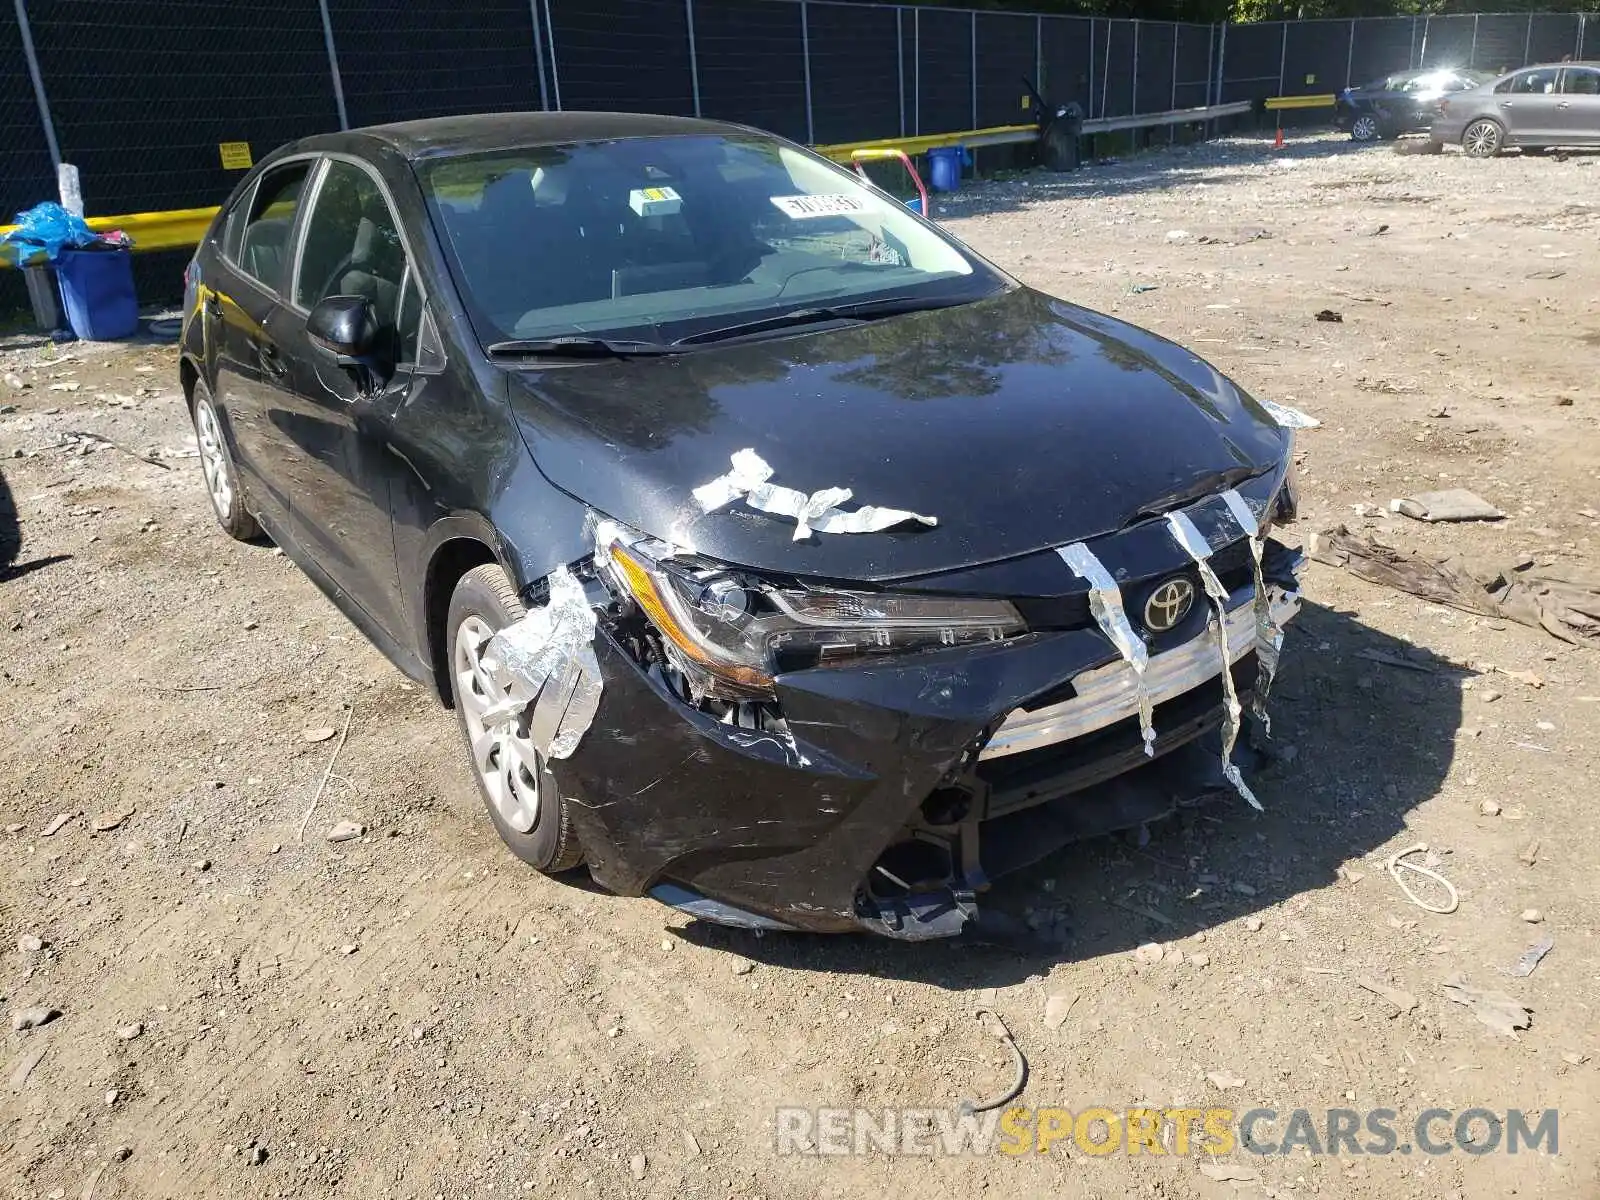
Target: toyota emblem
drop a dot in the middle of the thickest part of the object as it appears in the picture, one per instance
(1168, 604)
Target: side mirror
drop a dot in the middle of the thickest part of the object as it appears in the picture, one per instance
(346, 327)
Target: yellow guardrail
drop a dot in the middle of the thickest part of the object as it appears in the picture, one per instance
(922, 143)
(176, 230)
(1325, 101)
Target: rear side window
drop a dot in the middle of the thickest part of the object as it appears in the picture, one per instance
(1581, 81)
(1531, 83)
(260, 245)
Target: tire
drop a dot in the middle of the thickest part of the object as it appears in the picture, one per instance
(1365, 128)
(216, 462)
(524, 803)
(1482, 138)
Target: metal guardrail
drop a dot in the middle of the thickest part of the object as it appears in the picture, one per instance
(1326, 100)
(1002, 135)
(184, 227)
(176, 230)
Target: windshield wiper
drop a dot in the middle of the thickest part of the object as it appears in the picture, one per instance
(576, 347)
(863, 310)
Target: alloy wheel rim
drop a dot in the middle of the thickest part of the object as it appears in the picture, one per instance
(1482, 139)
(505, 760)
(1366, 128)
(213, 459)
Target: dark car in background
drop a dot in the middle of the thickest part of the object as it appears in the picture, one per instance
(782, 559)
(1404, 102)
(1536, 108)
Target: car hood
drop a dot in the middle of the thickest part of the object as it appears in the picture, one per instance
(1020, 422)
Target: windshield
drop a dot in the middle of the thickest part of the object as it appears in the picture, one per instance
(659, 238)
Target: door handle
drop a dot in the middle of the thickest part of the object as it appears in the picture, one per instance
(1505, 104)
(1565, 104)
(272, 362)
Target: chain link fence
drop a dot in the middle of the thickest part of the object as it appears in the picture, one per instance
(145, 96)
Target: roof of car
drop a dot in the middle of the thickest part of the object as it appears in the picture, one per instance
(503, 131)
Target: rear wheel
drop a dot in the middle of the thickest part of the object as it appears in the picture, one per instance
(222, 482)
(1365, 128)
(525, 805)
(1482, 138)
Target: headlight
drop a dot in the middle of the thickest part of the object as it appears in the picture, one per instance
(732, 631)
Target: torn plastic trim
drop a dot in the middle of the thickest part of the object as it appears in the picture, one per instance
(703, 908)
(1269, 632)
(1194, 543)
(1105, 604)
(818, 512)
(546, 660)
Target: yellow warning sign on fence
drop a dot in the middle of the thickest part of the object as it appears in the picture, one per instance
(235, 156)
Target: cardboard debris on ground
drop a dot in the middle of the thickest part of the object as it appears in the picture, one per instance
(1403, 1001)
(1564, 603)
(1452, 504)
(1495, 1009)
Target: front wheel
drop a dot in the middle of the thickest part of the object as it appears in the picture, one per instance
(1365, 128)
(1482, 139)
(526, 807)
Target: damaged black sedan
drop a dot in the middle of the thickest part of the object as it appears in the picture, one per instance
(781, 558)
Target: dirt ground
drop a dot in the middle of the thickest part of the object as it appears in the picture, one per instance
(415, 1014)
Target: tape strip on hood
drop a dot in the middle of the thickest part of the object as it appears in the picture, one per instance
(817, 512)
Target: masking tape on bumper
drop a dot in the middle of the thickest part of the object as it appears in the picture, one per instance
(1105, 604)
(547, 659)
(1192, 541)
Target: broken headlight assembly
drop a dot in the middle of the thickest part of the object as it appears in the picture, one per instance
(731, 631)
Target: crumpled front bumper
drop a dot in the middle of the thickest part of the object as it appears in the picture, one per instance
(789, 830)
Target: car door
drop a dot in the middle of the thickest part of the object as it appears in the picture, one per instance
(332, 430)
(240, 304)
(1578, 109)
(1526, 106)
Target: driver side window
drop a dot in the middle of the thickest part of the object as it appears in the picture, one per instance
(352, 246)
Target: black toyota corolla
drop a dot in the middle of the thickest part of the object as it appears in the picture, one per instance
(782, 558)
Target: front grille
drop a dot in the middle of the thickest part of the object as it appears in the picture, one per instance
(1018, 781)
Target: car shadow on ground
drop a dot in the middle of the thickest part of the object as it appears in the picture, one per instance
(11, 540)
(1370, 741)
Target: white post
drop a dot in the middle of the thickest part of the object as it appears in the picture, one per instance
(1133, 100)
(1527, 42)
(70, 188)
(1472, 54)
(1350, 58)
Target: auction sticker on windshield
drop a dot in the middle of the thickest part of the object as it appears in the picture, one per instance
(801, 207)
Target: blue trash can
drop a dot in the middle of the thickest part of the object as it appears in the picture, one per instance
(944, 167)
(97, 292)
